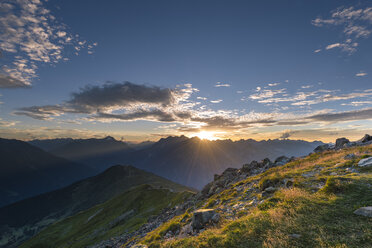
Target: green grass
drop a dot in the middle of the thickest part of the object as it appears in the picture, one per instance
(101, 222)
(320, 216)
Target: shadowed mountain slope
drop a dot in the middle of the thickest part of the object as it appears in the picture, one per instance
(25, 218)
(26, 171)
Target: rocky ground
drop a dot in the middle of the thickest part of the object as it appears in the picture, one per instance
(237, 192)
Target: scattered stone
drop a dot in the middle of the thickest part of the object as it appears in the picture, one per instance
(288, 182)
(202, 217)
(340, 142)
(282, 160)
(364, 211)
(139, 246)
(366, 162)
(350, 156)
(333, 174)
(321, 148)
(295, 235)
(270, 189)
(309, 174)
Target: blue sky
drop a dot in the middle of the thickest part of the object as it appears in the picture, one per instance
(234, 69)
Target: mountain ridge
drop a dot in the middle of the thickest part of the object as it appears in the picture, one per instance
(192, 161)
(33, 214)
(27, 170)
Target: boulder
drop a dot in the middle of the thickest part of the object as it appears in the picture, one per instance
(247, 168)
(205, 190)
(139, 246)
(350, 156)
(295, 235)
(364, 211)
(366, 138)
(203, 216)
(321, 148)
(270, 189)
(266, 162)
(230, 172)
(366, 162)
(282, 160)
(340, 142)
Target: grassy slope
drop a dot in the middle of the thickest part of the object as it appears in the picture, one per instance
(318, 206)
(96, 224)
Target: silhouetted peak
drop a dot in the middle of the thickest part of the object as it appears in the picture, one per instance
(109, 138)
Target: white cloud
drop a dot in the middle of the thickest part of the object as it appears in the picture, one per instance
(317, 50)
(306, 86)
(216, 101)
(220, 84)
(30, 36)
(201, 98)
(361, 74)
(356, 24)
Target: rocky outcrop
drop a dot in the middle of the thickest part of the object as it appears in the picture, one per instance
(366, 138)
(364, 211)
(366, 162)
(321, 148)
(202, 217)
(340, 142)
(344, 143)
(282, 160)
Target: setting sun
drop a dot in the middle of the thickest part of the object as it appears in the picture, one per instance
(206, 135)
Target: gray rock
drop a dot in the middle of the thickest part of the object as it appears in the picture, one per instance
(295, 235)
(202, 217)
(215, 218)
(270, 189)
(139, 246)
(350, 156)
(364, 211)
(366, 162)
(340, 142)
(321, 148)
(186, 230)
(282, 160)
(288, 182)
(333, 174)
(365, 139)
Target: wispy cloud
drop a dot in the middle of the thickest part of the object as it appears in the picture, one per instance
(220, 84)
(356, 24)
(361, 74)
(216, 101)
(29, 36)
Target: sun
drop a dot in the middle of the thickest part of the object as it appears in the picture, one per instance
(206, 135)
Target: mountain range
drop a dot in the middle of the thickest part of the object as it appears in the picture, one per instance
(188, 161)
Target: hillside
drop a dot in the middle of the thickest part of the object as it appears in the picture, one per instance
(309, 202)
(119, 215)
(27, 171)
(25, 218)
(321, 200)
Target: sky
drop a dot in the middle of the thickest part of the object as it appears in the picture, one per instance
(142, 70)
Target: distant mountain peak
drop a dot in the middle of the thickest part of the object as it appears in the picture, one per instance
(110, 138)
